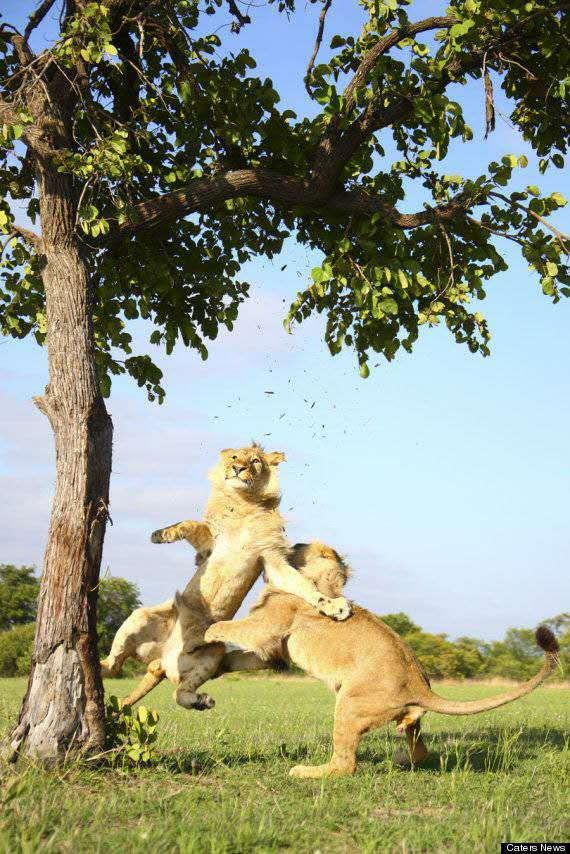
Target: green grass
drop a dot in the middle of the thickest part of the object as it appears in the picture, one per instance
(222, 784)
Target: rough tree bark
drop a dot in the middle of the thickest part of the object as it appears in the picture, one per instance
(63, 709)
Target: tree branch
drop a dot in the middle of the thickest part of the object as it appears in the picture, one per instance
(496, 231)
(560, 236)
(26, 234)
(320, 192)
(383, 45)
(283, 191)
(337, 146)
(37, 17)
(322, 17)
(8, 112)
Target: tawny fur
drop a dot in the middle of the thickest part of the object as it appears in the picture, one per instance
(241, 535)
(374, 673)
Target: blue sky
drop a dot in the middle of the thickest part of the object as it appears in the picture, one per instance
(443, 477)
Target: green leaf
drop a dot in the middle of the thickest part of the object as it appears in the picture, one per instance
(388, 306)
(403, 279)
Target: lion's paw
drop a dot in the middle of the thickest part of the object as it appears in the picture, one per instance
(203, 702)
(316, 772)
(339, 608)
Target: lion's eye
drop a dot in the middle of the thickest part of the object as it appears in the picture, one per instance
(234, 457)
(256, 461)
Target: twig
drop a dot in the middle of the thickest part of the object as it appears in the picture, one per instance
(80, 202)
(326, 6)
(560, 236)
(241, 19)
(451, 280)
(510, 61)
(360, 271)
(495, 230)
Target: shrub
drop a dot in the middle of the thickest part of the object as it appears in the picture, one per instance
(16, 650)
(131, 734)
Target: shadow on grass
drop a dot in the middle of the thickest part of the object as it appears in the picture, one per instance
(204, 761)
(489, 750)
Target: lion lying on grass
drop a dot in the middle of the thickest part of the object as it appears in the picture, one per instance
(374, 673)
(241, 535)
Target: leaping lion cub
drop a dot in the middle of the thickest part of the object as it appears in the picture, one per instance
(374, 673)
(242, 534)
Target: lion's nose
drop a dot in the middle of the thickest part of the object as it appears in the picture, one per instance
(239, 469)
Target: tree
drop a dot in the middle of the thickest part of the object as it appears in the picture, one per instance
(18, 595)
(117, 599)
(400, 623)
(158, 163)
(16, 650)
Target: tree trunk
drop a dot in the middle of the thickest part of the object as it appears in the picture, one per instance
(63, 710)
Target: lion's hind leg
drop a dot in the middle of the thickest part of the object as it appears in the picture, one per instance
(123, 646)
(354, 715)
(416, 750)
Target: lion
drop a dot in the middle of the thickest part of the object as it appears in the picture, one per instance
(241, 535)
(373, 672)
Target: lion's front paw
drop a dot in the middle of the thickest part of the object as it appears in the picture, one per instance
(338, 609)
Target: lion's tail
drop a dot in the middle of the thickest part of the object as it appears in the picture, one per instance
(545, 640)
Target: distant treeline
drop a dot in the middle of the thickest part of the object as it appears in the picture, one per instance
(514, 657)
(19, 587)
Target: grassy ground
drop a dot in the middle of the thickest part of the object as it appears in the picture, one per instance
(222, 783)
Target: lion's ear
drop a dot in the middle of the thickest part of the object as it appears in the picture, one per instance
(275, 457)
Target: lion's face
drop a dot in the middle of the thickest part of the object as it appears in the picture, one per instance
(248, 468)
(322, 565)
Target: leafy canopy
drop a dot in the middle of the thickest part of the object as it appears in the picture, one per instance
(18, 595)
(186, 165)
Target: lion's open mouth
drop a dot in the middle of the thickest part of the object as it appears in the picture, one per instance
(242, 481)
